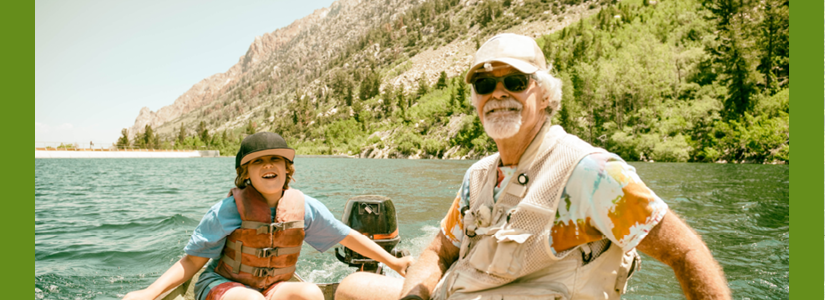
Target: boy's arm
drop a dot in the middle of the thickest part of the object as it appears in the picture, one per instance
(366, 247)
(179, 273)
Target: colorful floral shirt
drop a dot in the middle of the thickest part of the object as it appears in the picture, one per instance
(604, 198)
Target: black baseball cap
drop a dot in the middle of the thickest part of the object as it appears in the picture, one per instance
(263, 144)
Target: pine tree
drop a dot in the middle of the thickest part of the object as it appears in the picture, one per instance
(250, 128)
(148, 136)
(203, 133)
(387, 100)
(402, 103)
(775, 33)
(156, 141)
(348, 95)
(365, 89)
(123, 141)
(452, 101)
(442, 81)
(422, 86)
(181, 135)
(461, 93)
(732, 55)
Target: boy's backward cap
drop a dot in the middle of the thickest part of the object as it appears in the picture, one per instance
(263, 144)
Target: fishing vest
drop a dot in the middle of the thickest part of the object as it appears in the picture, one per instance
(261, 253)
(505, 252)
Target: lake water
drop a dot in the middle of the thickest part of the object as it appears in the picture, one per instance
(104, 227)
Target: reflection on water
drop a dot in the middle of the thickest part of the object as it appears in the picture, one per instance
(104, 227)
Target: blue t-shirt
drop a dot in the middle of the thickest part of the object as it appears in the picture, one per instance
(320, 226)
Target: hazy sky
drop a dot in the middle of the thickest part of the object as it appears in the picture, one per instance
(97, 63)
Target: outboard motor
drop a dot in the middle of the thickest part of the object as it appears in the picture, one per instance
(373, 216)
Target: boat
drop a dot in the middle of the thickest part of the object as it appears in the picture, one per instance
(371, 215)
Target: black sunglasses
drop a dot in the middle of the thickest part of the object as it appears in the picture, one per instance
(513, 83)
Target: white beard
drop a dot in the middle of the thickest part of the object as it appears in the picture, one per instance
(502, 126)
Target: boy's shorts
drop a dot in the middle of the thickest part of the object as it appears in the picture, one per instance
(212, 286)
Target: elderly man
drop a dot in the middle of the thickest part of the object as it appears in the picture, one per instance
(549, 216)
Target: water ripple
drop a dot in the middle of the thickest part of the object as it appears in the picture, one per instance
(106, 227)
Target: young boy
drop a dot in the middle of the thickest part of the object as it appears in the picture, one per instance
(254, 236)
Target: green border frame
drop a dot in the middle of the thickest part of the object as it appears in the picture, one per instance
(806, 173)
(17, 60)
(806, 191)
(808, 177)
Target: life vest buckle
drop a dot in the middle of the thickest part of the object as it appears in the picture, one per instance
(271, 228)
(262, 272)
(267, 252)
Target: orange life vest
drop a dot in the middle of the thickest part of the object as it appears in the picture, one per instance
(261, 253)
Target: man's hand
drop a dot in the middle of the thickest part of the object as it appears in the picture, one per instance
(675, 244)
(433, 262)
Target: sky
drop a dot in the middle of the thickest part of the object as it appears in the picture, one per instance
(97, 63)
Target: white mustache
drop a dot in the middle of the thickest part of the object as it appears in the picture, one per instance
(508, 103)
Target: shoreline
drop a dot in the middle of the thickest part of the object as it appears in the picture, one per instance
(215, 153)
(125, 154)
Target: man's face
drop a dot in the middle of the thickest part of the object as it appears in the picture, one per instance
(505, 113)
(268, 174)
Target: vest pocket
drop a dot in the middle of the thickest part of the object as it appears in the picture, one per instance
(501, 254)
(513, 291)
(631, 262)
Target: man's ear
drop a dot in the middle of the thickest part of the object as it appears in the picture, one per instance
(544, 102)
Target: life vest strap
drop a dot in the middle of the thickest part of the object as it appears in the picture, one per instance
(259, 272)
(264, 252)
(269, 228)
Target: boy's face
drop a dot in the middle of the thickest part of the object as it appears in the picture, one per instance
(268, 174)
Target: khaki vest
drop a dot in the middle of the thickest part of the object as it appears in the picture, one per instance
(506, 254)
(261, 253)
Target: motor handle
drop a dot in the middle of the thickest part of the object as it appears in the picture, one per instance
(399, 253)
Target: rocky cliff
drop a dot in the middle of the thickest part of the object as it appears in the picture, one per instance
(298, 49)
(404, 39)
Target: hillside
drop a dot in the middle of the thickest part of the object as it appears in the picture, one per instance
(647, 80)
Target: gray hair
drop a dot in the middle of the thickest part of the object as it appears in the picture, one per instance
(550, 89)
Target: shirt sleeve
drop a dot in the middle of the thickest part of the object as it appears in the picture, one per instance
(209, 237)
(452, 226)
(605, 198)
(322, 229)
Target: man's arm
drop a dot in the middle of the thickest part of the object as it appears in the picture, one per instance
(423, 276)
(677, 245)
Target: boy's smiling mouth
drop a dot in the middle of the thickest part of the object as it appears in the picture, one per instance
(269, 175)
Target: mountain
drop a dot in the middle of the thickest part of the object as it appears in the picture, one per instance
(299, 52)
(650, 80)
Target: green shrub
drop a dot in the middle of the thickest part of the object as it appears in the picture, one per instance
(408, 142)
(673, 149)
(342, 131)
(433, 146)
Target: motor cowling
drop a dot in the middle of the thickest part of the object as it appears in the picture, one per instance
(373, 216)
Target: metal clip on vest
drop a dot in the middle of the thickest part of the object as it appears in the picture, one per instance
(267, 252)
(271, 228)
